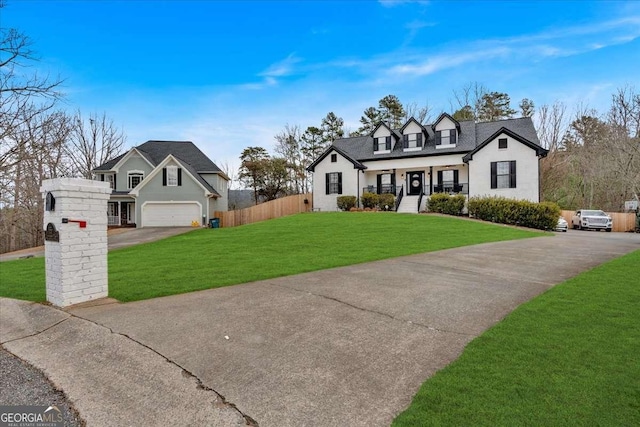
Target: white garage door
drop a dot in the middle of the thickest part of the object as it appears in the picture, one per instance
(170, 214)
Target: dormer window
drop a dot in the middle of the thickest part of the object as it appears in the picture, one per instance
(412, 141)
(382, 143)
(445, 138)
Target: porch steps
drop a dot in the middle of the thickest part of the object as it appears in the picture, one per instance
(409, 204)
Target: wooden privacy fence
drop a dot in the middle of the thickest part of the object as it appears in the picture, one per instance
(621, 221)
(273, 209)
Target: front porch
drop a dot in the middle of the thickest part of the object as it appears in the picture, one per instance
(416, 184)
(121, 213)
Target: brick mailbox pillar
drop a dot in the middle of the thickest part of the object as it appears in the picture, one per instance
(75, 247)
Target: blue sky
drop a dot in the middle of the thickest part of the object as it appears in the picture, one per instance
(228, 75)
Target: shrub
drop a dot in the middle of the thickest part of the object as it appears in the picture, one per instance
(386, 201)
(543, 216)
(369, 200)
(446, 204)
(345, 203)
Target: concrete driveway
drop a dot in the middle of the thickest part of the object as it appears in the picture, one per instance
(117, 238)
(346, 346)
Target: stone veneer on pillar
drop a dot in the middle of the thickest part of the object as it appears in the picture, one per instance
(75, 256)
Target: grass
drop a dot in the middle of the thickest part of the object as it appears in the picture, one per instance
(207, 258)
(567, 358)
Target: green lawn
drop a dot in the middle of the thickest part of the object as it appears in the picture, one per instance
(570, 357)
(208, 258)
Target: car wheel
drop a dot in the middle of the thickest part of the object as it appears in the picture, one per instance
(608, 230)
(575, 227)
(564, 231)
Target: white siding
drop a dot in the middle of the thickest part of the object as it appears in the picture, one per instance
(328, 202)
(445, 123)
(526, 170)
(412, 128)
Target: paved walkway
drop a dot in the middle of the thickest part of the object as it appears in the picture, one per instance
(346, 346)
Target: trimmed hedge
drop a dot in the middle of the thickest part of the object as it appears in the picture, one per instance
(386, 201)
(446, 204)
(369, 200)
(345, 203)
(543, 216)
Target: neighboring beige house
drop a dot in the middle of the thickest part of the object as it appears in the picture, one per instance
(163, 184)
(498, 158)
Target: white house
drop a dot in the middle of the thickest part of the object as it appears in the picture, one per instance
(498, 158)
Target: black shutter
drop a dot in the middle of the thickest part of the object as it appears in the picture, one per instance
(439, 177)
(405, 141)
(455, 177)
(179, 177)
(326, 177)
(101, 177)
(379, 184)
(452, 136)
(419, 140)
(375, 144)
(164, 177)
(339, 182)
(439, 137)
(494, 174)
(114, 181)
(387, 145)
(512, 174)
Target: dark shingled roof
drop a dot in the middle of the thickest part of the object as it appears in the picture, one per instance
(194, 160)
(360, 148)
(156, 151)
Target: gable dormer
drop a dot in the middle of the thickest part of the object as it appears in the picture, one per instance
(447, 131)
(384, 139)
(414, 135)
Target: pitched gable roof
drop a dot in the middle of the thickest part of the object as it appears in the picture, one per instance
(442, 116)
(412, 120)
(503, 130)
(356, 164)
(156, 151)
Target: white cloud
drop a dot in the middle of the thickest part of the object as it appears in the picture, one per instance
(394, 3)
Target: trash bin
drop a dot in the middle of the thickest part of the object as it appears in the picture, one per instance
(215, 222)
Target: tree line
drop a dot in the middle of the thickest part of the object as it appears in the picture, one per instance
(40, 140)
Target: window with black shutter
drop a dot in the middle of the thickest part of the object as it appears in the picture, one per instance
(333, 181)
(503, 174)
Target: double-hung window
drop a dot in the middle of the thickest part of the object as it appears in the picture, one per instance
(382, 143)
(334, 183)
(412, 140)
(172, 176)
(503, 174)
(445, 137)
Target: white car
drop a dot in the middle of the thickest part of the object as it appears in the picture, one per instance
(592, 219)
(562, 225)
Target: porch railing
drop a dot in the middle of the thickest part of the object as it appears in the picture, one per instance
(451, 188)
(383, 189)
(420, 198)
(399, 198)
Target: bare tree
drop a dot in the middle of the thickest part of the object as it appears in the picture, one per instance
(288, 146)
(421, 114)
(92, 142)
(23, 95)
(551, 125)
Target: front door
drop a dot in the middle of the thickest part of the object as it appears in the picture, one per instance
(124, 213)
(415, 183)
